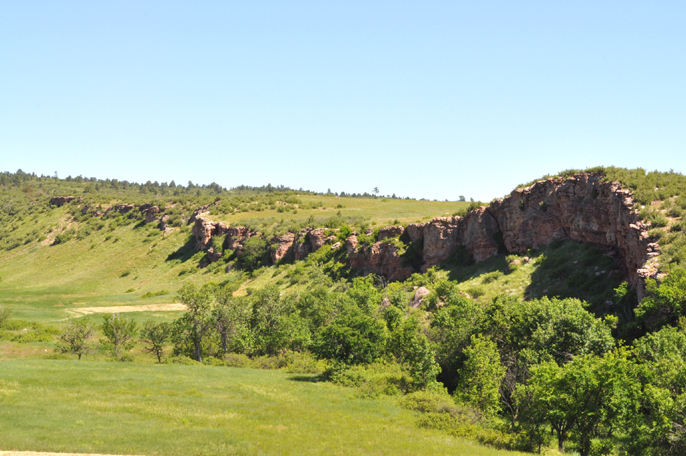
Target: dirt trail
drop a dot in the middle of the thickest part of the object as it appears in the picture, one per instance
(34, 453)
(121, 309)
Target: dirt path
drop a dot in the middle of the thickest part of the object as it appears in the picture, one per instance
(34, 453)
(121, 309)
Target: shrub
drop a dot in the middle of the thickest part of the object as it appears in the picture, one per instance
(303, 363)
(237, 360)
(183, 360)
(151, 294)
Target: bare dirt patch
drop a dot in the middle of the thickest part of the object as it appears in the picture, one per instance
(121, 309)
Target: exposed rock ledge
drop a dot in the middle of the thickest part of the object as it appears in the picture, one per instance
(579, 208)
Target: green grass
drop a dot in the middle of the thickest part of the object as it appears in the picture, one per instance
(379, 210)
(126, 408)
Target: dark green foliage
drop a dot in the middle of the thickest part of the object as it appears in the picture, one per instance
(666, 302)
(190, 333)
(481, 375)
(151, 294)
(255, 253)
(352, 340)
(582, 401)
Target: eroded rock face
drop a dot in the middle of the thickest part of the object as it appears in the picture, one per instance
(151, 214)
(301, 247)
(281, 246)
(583, 209)
(316, 238)
(440, 238)
(580, 208)
(164, 222)
(203, 231)
(381, 258)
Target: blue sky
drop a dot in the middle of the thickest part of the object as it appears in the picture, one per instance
(423, 99)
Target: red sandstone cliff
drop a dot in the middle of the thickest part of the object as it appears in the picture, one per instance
(581, 208)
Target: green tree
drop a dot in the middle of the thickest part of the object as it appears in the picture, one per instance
(190, 331)
(155, 336)
(582, 401)
(255, 253)
(481, 375)
(119, 333)
(665, 302)
(451, 328)
(352, 340)
(411, 348)
(657, 422)
(231, 316)
(75, 339)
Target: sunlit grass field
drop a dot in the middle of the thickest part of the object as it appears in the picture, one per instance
(383, 211)
(127, 408)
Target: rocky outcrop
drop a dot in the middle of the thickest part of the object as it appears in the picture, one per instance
(391, 231)
(164, 222)
(381, 258)
(281, 246)
(580, 208)
(124, 208)
(151, 214)
(61, 200)
(203, 230)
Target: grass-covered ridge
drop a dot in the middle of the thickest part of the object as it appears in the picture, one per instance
(493, 352)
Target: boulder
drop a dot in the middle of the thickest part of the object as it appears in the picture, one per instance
(164, 222)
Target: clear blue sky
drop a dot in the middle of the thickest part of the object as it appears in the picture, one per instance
(423, 99)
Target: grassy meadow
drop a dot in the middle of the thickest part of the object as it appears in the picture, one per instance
(127, 408)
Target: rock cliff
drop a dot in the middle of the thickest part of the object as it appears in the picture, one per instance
(580, 208)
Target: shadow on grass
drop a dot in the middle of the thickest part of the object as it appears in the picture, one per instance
(185, 252)
(461, 272)
(309, 378)
(568, 269)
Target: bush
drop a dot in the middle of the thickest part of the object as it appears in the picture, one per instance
(183, 360)
(151, 294)
(373, 380)
(303, 363)
(237, 360)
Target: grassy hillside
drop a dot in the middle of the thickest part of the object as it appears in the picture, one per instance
(473, 359)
